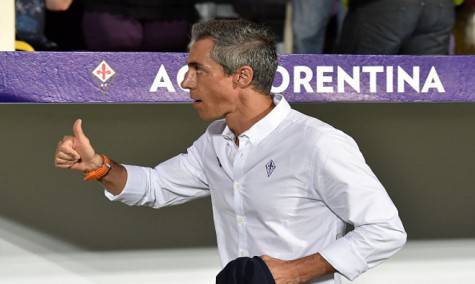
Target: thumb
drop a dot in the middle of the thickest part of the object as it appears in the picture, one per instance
(77, 130)
(81, 143)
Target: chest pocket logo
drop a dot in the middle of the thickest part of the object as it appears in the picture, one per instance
(270, 167)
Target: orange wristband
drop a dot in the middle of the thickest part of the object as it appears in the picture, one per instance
(101, 171)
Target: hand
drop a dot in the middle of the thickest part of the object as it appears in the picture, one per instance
(76, 153)
(284, 272)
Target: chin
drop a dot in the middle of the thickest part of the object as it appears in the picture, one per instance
(208, 117)
(205, 117)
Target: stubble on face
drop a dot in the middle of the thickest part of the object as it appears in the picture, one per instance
(210, 88)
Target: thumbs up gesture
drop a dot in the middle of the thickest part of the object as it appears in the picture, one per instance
(76, 153)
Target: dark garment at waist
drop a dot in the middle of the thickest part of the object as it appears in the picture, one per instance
(245, 270)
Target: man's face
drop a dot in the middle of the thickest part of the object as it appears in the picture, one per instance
(210, 88)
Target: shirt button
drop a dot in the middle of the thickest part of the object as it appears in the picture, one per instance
(242, 252)
(237, 186)
(241, 220)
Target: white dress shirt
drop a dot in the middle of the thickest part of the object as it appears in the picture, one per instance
(287, 191)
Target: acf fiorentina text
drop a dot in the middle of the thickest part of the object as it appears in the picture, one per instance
(333, 79)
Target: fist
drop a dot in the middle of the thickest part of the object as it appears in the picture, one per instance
(76, 153)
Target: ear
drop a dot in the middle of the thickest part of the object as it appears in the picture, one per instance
(243, 76)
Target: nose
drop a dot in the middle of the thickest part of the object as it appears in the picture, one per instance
(189, 81)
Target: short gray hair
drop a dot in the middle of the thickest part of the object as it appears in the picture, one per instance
(238, 43)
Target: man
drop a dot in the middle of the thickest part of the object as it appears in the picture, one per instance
(282, 184)
(310, 19)
(30, 21)
(140, 25)
(411, 27)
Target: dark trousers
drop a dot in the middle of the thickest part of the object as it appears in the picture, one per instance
(398, 27)
(106, 31)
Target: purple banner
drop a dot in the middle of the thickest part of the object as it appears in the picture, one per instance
(119, 77)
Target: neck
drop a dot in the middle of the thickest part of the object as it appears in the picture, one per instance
(251, 108)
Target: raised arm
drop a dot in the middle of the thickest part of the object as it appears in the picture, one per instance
(175, 181)
(76, 153)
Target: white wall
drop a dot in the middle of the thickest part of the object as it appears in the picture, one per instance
(7, 25)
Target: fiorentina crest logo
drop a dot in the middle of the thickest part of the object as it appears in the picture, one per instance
(103, 74)
(270, 167)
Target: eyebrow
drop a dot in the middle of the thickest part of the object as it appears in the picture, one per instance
(195, 64)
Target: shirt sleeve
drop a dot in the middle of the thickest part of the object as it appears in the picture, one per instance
(351, 190)
(175, 181)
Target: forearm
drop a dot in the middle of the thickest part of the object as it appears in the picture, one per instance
(115, 180)
(311, 267)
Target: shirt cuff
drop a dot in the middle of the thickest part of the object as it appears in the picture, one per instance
(344, 258)
(134, 186)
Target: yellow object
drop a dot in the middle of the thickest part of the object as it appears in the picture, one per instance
(23, 46)
(458, 2)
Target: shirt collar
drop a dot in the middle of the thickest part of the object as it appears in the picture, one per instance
(266, 125)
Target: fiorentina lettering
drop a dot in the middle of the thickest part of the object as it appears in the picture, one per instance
(334, 79)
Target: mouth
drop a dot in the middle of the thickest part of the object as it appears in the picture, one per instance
(196, 101)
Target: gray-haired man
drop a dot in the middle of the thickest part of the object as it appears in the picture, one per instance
(282, 184)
